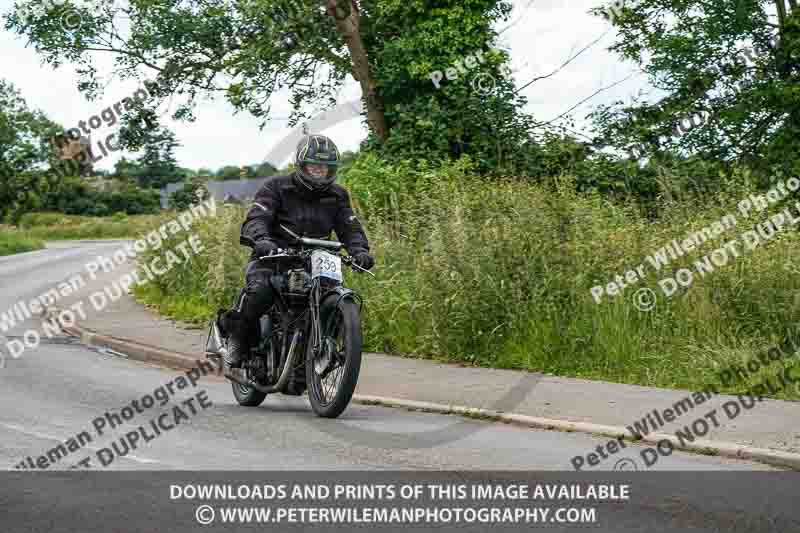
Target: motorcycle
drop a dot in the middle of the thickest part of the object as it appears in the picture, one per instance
(313, 315)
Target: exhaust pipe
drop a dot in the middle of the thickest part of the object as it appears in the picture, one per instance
(284, 378)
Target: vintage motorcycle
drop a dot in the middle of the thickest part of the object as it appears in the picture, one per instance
(310, 338)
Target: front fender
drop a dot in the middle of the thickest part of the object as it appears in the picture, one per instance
(331, 300)
(333, 297)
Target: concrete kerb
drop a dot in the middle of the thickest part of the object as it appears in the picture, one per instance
(705, 447)
(133, 349)
(153, 354)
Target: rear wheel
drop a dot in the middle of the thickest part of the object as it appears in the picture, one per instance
(247, 396)
(332, 370)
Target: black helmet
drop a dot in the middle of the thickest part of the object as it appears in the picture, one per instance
(316, 150)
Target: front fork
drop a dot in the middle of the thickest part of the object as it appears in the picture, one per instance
(324, 325)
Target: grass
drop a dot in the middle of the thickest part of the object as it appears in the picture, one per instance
(499, 275)
(57, 226)
(13, 243)
(192, 310)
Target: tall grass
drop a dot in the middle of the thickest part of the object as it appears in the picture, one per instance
(499, 274)
(58, 226)
(13, 243)
(211, 279)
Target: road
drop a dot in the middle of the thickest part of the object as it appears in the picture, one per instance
(63, 393)
(56, 391)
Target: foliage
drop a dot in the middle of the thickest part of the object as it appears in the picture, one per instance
(24, 149)
(263, 170)
(499, 274)
(213, 276)
(729, 75)
(477, 114)
(57, 226)
(73, 196)
(157, 165)
(239, 50)
(231, 172)
(192, 191)
(126, 169)
(13, 243)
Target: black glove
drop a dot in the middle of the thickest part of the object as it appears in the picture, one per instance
(264, 247)
(364, 260)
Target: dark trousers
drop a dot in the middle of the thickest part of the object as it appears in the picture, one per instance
(253, 301)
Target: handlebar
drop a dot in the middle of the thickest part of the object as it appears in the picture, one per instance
(348, 260)
(306, 241)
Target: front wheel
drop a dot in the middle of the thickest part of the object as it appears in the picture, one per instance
(332, 370)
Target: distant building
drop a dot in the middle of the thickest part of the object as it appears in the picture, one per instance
(230, 191)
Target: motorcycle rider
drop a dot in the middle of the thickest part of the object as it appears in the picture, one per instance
(311, 204)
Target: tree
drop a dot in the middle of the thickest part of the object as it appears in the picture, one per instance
(25, 149)
(193, 191)
(729, 74)
(264, 169)
(348, 157)
(229, 172)
(157, 165)
(248, 49)
(126, 169)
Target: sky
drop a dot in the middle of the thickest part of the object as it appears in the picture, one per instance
(540, 35)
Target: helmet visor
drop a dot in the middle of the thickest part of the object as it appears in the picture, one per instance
(317, 159)
(316, 171)
(319, 173)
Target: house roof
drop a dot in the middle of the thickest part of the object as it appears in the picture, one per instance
(243, 189)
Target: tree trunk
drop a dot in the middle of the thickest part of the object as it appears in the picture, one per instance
(781, 15)
(347, 17)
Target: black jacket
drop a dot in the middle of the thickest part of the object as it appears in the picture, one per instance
(283, 200)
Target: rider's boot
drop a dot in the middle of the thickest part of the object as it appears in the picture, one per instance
(215, 345)
(238, 342)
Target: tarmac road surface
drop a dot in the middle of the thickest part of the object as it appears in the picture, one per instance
(65, 393)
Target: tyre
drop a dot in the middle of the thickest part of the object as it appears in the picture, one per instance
(332, 373)
(247, 396)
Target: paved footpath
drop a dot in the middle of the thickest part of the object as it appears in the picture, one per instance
(771, 424)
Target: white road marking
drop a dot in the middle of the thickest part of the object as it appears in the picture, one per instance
(50, 437)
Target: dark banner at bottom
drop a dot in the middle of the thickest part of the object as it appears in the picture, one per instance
(398, 501)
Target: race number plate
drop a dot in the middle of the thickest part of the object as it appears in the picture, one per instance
(326, 265)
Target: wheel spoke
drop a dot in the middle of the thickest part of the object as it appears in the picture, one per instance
(329, 380)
